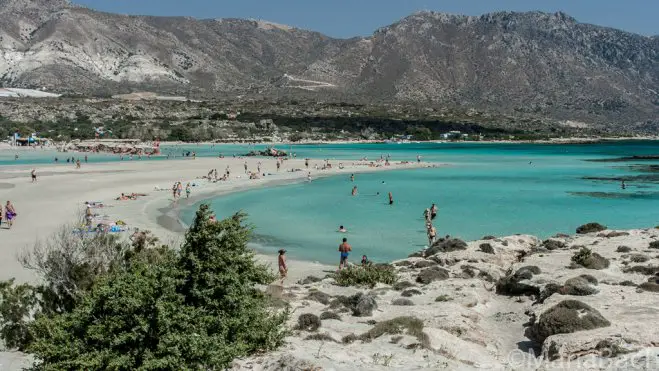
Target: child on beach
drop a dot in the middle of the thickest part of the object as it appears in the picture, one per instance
(34, 175)
(187, 190)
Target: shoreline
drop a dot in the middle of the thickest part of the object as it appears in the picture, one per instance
(59, 195)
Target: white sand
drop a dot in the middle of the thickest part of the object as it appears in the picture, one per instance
(59, 195)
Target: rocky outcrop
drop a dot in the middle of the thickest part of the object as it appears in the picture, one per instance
(464, 321)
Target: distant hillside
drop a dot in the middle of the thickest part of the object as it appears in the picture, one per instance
(539, 63)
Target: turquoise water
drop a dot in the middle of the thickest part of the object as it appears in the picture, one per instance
(497, 189)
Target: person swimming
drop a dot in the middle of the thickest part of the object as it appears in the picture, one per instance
(342, 229)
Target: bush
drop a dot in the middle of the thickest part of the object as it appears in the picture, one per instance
(402, 302)
(308, 322)
(194, 309)
(410, 292)
(591, 228)
(623, 249)
(654, 245)
(16, 305)
(319, 296)
(588, 259)
(330, 315)
(368, 275)
(400, 325)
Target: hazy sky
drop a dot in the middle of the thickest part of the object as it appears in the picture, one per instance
(346, 18)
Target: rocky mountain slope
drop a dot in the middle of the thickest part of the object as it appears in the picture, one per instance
(547, 64)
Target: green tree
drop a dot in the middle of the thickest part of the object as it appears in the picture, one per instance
(196, 309)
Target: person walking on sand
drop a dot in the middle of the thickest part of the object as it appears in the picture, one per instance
(10, 213)
(278, 164)
(188, 189)
(283, 267)
(179, 189)
(344, 249)
(174, 187)
(245, 167)
(391, 199)
(306, 163)
(33, 174)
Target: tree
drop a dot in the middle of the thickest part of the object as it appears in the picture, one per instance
(196, 309)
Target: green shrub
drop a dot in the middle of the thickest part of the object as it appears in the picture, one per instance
(16, 305)
(194, 309)
(369, 275)
(400, 325)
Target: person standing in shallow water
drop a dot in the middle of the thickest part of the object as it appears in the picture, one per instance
(354, 191)
(391, 199)
(344, 250)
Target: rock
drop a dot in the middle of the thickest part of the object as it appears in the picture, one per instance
(654, 245)
(487, 238)
(551, 244)
(363, 305)
(566, 317)
(402, 302)
(424, 264)
(513, 285)
(418, 254)
(402, 285)
(561, 235)
(319, 296)
(432, 274)
(487, 248)
(627, 283)
(623, 249)
(330, 315)
(639, 258)
(309, 280)
(591, 228)
(403, 263)
(410, 292)
(449, 245)
(308, 322)
(580, 286)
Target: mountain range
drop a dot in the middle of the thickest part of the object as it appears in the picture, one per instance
(534, 62)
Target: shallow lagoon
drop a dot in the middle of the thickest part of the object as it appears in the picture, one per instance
(497, 189)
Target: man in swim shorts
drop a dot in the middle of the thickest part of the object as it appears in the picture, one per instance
(344, 249)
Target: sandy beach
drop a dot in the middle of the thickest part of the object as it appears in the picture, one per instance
(58, 197)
